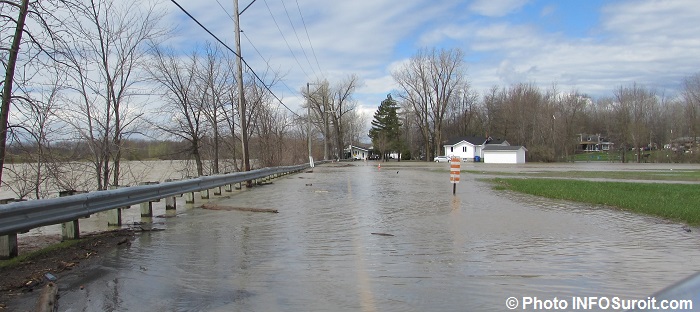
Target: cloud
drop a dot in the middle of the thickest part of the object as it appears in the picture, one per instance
(496, 8)
(645, 41)
(649, 42)
(548, 10)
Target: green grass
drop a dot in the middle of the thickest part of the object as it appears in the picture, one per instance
(676, 202)
(36, 254)
(596, 156)
(665, 175)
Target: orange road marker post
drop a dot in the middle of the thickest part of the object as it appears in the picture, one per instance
(455, 167)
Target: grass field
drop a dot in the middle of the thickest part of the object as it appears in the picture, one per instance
(678, 202)
(662, 175)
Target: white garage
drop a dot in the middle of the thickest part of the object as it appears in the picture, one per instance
(499, 154)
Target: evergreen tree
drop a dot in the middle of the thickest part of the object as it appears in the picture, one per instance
(386, 128)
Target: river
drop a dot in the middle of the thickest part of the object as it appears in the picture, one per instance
(438, 252)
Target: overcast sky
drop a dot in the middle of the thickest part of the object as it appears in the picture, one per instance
(590, 45)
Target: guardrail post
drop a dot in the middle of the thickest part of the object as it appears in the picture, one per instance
(170, 202)
(114, 216)
(8, 246)
(204, 194)
(147, 207)
(217, 191)
(238, 185)
(189, 198)
(71, 229)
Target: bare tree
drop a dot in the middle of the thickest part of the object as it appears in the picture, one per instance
(181, 114)
(341, 104)
(634, 106)
(691, 97)
(319, 99)
(271, 132)
(567, 120)
(213, 79)
(428, 82)
(10, 64)
(107, 52)
(27, 37)
(35, 130)
(463, 117)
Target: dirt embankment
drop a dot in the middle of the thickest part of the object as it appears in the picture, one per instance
(31, 275)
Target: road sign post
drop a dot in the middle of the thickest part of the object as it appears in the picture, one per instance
(455, 167)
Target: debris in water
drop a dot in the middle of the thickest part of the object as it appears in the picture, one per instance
(229, 208)
(50, 277)
(382, 234)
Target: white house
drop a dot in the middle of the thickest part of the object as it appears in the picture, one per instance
(500, 154)
(356, 152)
(470, 148)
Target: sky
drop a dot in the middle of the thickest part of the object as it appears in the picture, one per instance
(591, 46)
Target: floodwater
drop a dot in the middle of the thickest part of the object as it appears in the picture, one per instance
(440, 252)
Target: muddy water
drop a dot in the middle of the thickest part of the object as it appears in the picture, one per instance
(468, 252)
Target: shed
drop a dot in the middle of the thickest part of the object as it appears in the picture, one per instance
(500, 154)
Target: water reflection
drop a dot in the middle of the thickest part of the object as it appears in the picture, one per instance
(465, 252)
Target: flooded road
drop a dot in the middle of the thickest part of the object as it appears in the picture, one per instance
(468, 252)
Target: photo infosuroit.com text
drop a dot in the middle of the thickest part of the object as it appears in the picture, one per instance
(596, 303)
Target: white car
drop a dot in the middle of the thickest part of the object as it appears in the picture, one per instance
(441, 159)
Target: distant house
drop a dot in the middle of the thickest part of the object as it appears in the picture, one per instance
(594, 143)
(470, 148)
(356, 152)
(500, 154)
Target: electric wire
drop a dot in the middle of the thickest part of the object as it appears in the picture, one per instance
(258, 51)
(236, 54)
(298, 40)
(313, 51)
(285, 39)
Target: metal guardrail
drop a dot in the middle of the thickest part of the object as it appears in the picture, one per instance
(687, 289)
(23, 216)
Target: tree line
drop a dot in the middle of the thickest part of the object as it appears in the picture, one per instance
(436, 102)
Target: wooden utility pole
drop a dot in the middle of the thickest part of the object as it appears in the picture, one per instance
(308, 119)
(241, 97)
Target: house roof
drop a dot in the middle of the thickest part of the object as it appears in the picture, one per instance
(497, 148)
(350, 147)
(475, 140)
(495, 141)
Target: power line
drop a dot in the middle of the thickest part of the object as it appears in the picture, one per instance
(236, 54)
(256, 50)
(285, 40)
(309, 38)
(298, 40)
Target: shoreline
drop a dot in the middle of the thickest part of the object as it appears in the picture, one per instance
(25, 275)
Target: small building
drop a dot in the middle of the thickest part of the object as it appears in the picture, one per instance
(470, 148)
(594, 143)
(502, 154)
(356, 152)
